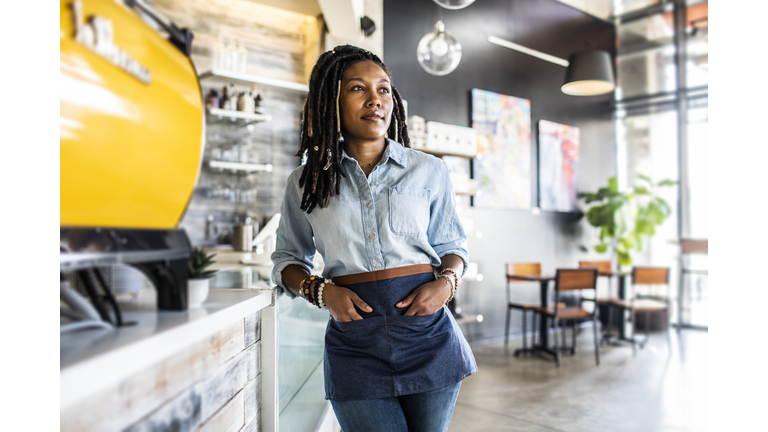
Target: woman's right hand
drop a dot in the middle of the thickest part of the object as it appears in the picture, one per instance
(341, 303)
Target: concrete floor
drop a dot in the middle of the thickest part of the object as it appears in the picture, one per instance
(653, 391)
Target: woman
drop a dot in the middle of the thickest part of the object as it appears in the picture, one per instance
(383, 218)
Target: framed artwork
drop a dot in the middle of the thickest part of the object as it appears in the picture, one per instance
(558, 166)
(502, 168)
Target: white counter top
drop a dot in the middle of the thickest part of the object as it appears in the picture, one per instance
(92, 359)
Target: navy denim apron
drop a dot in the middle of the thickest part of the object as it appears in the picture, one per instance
(389, 354)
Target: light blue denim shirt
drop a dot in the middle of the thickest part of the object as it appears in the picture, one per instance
(402, 214)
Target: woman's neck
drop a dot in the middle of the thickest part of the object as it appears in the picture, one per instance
(366, 153)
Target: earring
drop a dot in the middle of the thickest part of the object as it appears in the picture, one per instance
(338, 117)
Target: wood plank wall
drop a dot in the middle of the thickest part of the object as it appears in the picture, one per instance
(213, 385)
(282, 45)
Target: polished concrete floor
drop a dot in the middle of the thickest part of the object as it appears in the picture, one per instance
(655, 390)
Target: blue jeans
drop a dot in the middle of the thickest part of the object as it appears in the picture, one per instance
(419, 412)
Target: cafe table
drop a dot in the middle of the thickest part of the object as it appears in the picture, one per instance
(543, 345)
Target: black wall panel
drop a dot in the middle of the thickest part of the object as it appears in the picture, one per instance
(554, 239)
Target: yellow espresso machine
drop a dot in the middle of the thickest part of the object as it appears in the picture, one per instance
(131, 141)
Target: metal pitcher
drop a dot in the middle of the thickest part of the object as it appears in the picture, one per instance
(242, 236)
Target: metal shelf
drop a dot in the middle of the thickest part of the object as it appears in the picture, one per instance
(239, 115)
(240, 166)
(226, 77)
(442, 153)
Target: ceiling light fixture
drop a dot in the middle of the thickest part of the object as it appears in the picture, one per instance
(588, 73)
(438, 52)
(529, 51)
(454, 4)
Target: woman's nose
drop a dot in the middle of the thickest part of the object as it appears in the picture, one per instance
(373, 100)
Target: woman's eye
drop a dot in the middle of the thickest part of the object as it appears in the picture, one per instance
(357, 87)
(385, 90)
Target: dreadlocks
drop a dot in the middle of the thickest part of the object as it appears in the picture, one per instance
(321, 131)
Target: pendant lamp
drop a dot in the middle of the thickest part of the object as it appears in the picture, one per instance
(438, 52)
(589, 73)
(454, 4)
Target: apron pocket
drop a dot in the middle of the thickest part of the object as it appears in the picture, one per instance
(427, 354)
(356, 355)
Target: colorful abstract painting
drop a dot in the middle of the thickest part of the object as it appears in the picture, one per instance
(558, 162)
(502, 168)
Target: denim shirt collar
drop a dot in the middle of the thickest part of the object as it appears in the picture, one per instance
(394, 151)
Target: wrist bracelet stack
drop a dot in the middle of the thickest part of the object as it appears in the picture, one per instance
(312, 290)
(454, 284)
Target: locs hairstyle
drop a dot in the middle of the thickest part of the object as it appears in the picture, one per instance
(321, 131)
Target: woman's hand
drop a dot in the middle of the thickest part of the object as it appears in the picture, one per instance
(428, 298)
(341, 303)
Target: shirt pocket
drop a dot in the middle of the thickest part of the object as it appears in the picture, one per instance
(408, 211)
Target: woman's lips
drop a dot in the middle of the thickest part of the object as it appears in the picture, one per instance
(374, 116)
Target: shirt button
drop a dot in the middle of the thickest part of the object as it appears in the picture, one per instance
(373, 183)
(378, 266)
(370, 236)
(368, 204)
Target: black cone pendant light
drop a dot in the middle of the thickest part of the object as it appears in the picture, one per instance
(589, 73)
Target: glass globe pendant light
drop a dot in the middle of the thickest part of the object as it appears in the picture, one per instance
(454, 4)
(438, 52)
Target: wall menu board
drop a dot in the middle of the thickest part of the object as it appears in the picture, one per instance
(502, 167)
(558, 162)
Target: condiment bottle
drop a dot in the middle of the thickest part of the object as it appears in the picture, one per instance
(212, 100)
(224, 101)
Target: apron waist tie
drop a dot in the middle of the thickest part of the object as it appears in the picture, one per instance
(382, 274)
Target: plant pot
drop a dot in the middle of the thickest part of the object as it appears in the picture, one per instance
(197, 291)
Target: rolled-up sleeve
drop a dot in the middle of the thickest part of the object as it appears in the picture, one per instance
(445, 232)
(295, 240)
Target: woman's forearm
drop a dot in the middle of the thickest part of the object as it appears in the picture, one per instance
(292, 277)
(454, 262)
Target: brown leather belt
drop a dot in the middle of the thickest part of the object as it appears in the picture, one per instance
(382, 274)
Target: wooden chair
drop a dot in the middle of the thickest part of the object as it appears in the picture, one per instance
(574, 280)
(689, 247)
(521, 269)
(649, 303)
(608, 302)
(602, 267)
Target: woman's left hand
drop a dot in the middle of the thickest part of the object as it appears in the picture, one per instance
(427, 299)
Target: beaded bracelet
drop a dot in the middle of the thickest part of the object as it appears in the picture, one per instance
(312, 290)
(320, 302)
(307, 289)
(455, 285)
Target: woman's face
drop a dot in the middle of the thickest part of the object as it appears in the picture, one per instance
(365, 102)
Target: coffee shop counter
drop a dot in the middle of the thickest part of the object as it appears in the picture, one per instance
(247, 359)
(212, 366)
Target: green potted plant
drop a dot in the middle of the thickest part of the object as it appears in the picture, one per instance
(623, 219)
(199, 278)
